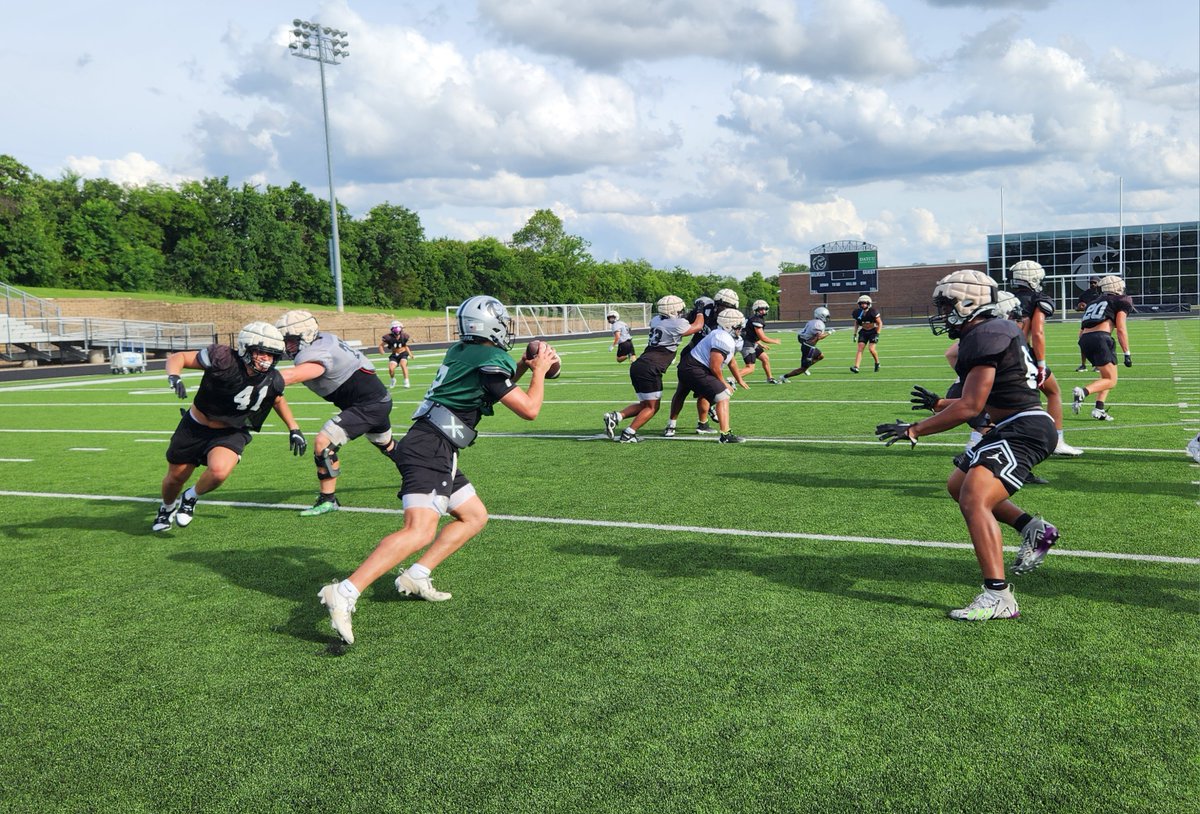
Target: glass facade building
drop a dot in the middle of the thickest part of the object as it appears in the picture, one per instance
(1158, 261)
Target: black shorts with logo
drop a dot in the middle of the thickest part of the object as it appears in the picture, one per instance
(810, 352)
(750, 353)
(868, 336)
(646, 372)
(192, 441)
(1099, 348)
(424, 457)
(1013, 447)
(699, 379)
(625, 348)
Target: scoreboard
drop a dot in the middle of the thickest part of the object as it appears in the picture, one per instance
(832, 272)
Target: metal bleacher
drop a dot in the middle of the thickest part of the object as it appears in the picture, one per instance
(32, 328)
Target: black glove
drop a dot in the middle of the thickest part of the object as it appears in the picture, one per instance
(177, 385)
(297, 442)
(1129, 360)
(891, 433)
(923, 399)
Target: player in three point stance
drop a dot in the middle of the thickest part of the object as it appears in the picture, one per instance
(813, 332)
(476, 373)
(754, 337)
(1036, 308)
(344, 376)
(622, 338)
(667, 329)
(998, 373)
(395, 344)
(868, 323)
(1095, 340)
(237, 389)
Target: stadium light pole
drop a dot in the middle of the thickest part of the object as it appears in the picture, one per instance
(326, 46)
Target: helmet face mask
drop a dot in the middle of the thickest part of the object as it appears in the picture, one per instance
(396, 328)
(1028, 273)
(612, 316)
(960, 297)
(864, 301)
(669, 306)
(259, 345)
(485, 318)
(299, 328)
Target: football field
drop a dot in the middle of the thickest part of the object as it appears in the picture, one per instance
(671, 626)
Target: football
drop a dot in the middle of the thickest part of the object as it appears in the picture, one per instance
(531, 350)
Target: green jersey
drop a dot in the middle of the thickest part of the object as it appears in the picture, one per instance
(472, 378)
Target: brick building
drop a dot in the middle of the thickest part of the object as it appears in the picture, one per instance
(903, 295)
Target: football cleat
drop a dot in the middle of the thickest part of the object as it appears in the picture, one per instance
(611, 421)
(853, 369)
(1081, 369)
(187, 508)
(340, 607)
(712, 413)
(876, 367)
(629, 438)
(392, 386)
(1101, 414)
(1193, 449)
(1033, 479)
(407, 384)
(704, 428)
(324, 505)
(782, 380)
(989, 605)
(421, 587)
(1077, 397)
(162, 521)
(1036, 540)
(1063, 448)
(669, 432)
(730, 438)
(774, 381)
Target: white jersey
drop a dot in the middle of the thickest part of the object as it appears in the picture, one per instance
(339, 360)
(718, 340)
(621, 330)
(666, 332)
(811, 330)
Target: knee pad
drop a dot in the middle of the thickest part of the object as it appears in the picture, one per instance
(328, 459)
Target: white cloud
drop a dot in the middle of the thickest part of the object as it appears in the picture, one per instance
(134, 169)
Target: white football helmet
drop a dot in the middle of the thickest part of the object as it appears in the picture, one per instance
(864, 300)
(960, 297)
(300, 326)
(1028, 273)
(612, 316)
(483, 317)
(821, 313)
(1112, 284)
(728, 297)
(731, 320)
(669, 306)
(396, 327)
(1008, 306)
(759, 305)
(263, 337)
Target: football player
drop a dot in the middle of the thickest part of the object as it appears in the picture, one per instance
(395, 344)
(667, 329)
(754, 337)
(724, 299)
(1096, 342)
(813, 332)
(868, 323)
(622, 338)
(239, 386)
(475, 374)
(1036, 308)
(1088, 297)
(700, 370)
(998, 374)
(346, 377)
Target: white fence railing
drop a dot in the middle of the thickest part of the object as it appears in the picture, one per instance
(46, 334)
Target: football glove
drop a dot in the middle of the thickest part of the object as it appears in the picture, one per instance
(297, 442)
(1041, 373)
(177, 385)
(891, 433)
(923, 399)
(1129, 360)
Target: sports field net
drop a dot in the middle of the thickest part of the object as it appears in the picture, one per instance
(558, 320)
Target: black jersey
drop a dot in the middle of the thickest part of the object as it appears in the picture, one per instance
(710, 312)
(999, 343)
(394, 342)
(754, 321)
(1088, 297)
(865, 317)
(1033, 301)
(1106, 308)
(231, 395)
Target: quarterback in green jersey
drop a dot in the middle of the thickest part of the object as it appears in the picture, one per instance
(476, 373)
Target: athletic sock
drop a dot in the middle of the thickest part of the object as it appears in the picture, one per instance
(1021, 522)
(995, 584)
(1099, 404)
(671, 423)
(418, 571)
(346, 588)
(190, 493)
(1060, 432)
(1086, 392)
(629, 431)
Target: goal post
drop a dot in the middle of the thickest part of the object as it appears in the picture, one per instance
(563, 319)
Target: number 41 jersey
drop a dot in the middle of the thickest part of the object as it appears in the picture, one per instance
(1000, 343)
(231, 395)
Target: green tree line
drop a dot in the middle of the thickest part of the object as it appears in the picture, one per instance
(209, 239)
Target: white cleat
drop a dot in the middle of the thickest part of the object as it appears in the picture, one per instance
(340, 608)
(1064, 448)
(1077, 397)
(989, 605)
(1101, 415)
(423, 588)
(1193, 449)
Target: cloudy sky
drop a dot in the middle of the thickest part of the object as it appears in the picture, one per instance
(724, 136)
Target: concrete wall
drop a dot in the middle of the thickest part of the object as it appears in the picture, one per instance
(904, 293)
(230, 317)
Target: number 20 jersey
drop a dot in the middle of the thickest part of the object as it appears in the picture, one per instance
(1000, 343)
(231, 395)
